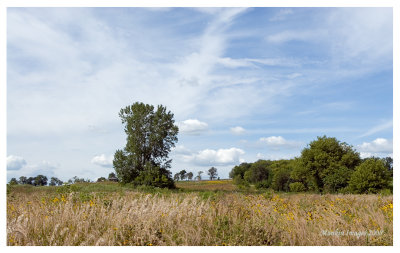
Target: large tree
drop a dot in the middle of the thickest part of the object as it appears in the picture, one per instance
(150, 136)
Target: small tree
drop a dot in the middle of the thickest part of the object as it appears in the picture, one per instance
(189, 175)
(182, 174)
(281, 179)
(239, 170)
(55, 181)
(30, 180)
(212, 172)
(198, 177)
(13, 181)
(259, 171)
(112, 177)
(101, 179)
(176, 176)
(23, 180)
(76, 179)
(40, 180)
(370, 177)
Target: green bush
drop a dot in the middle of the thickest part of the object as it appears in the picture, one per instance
(297, 187)
(263, 184)
(240, 182)
(370, 177)
(154, 176)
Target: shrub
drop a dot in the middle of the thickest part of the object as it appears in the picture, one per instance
(263, 184)
(370, 177)
(240, 182)
(297, 187)
(154, 176)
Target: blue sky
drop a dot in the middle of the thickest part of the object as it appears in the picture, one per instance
(243, 83)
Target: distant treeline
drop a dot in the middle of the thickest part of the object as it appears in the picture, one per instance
(41, 180)
(326, 165)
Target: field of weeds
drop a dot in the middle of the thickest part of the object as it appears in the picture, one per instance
(97, 216)
(215, 185)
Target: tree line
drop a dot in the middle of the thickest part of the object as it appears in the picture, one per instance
(41, 180)
(326, 165)
(182, 175)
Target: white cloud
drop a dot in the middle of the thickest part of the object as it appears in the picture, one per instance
(277, 142)
(15, 162)
(274, 157)
(378, 147)
(45, 168)
(249, 62)
(192, 127)
(238, 130)
(103, 160)
(210, 157)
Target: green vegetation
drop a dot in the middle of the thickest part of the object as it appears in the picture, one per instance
(150, 137)
(326, 165)
(370, 177)
(195, 213)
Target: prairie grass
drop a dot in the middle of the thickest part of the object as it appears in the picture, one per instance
(133, 218)
(215, 185)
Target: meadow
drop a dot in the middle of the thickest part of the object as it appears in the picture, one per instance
(197, 213)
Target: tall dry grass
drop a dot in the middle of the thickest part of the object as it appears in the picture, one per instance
(198, 219)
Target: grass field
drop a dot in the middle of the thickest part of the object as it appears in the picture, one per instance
(197, 213)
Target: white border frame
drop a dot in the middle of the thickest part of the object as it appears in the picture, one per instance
(192, 3)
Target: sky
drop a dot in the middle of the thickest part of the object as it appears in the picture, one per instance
(243, 83)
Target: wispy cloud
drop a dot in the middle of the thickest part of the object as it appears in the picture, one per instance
(297, 35)
(378, 128)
